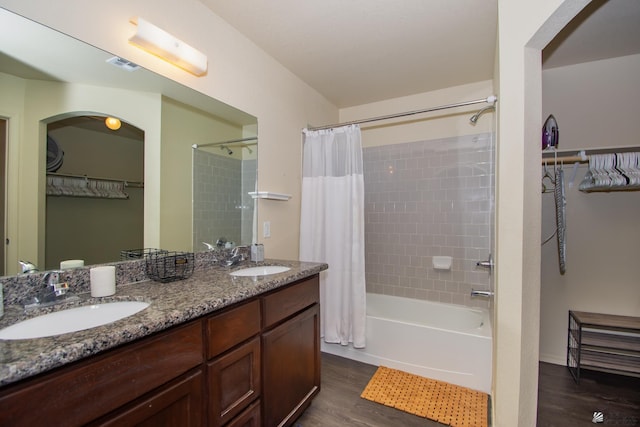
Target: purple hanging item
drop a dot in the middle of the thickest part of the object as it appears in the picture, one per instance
(550, 133)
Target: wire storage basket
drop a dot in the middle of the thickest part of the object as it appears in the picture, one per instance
(168, 266)
(131, 254)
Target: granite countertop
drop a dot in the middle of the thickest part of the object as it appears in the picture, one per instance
(206, 291)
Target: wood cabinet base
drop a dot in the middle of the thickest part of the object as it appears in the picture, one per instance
(253, 364)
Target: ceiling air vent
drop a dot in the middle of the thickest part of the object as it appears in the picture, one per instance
(123, 63)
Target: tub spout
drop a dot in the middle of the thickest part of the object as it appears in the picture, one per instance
(486, 294)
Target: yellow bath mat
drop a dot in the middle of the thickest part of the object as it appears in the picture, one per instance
(439, 401)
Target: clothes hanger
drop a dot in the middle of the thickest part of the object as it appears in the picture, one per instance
(550, 178)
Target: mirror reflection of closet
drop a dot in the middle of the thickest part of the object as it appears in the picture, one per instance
(95, 190)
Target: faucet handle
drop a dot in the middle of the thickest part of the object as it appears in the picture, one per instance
(209, 246)
(60, 288)
(52, 278)
(52, 282)
(236, 251)
(486, 264)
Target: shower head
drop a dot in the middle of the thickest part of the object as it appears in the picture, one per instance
(476, 116)
(224, 147)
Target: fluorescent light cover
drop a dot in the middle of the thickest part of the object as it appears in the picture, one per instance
(160, 43)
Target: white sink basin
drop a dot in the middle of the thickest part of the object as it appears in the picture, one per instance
(71, 320)
(263, 270)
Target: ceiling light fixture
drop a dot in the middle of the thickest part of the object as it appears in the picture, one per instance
(112, 123)
(162, 44)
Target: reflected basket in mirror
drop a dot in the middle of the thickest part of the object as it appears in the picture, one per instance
(131, 254)
(169, 266)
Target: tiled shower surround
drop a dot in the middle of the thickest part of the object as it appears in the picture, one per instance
(424, 199)
(222, 206)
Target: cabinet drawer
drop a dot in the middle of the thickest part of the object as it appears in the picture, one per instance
(84, 391)
(179, 403)
(249, 418)
(290, 300)
(232, 327)
(234, 382)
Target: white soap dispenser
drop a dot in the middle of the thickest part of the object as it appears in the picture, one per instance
(257, 252)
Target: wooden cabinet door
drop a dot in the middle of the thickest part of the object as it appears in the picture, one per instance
(177, 404)
(234, 382)
(291, 369)
(249, 418)
(84, 391)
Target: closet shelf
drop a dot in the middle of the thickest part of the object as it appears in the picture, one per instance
(610, 169)
(127, 183)
(552, 157)
(604, 189)
(603, 342)
(61, 185)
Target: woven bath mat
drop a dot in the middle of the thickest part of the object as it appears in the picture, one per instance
(439, 401)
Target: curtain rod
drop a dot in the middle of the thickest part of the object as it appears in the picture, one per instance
(253, 138)
(490, 100)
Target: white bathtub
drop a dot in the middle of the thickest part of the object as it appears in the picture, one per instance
(446, 342)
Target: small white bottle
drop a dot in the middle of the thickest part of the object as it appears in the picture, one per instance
(257, 252)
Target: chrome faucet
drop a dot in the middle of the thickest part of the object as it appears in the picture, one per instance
(236, 256)
(485, 294)
(27, 267)
(236, 251)
(209, 246)
(53, 286)
(488, 264)
(53, 291)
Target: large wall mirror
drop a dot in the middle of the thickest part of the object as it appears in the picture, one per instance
(174, 175)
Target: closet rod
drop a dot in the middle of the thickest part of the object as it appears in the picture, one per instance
(490, 100)
(231, 141)
(565, 159)
(581, 156)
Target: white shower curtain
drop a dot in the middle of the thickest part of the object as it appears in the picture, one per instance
(332, 229)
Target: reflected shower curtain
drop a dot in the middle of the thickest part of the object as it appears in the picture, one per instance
(332, 229)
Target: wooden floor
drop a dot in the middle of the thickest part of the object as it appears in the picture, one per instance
(561, 402)
(339, 402)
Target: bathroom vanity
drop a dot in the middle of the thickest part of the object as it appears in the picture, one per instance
(210, 350)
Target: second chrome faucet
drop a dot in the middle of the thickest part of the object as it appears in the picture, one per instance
(485, 294)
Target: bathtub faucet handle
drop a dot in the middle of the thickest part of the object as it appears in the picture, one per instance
(486, 264)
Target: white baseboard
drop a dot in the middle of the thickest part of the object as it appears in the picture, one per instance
(554, 358)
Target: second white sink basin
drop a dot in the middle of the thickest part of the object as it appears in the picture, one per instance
(262, 270)
(72, 320)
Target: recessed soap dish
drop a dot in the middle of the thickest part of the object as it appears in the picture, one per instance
(442, 262)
